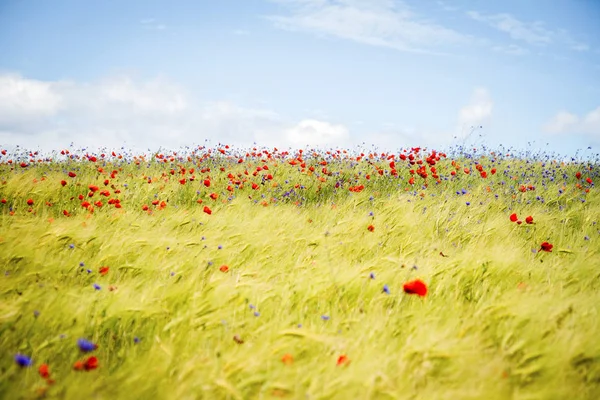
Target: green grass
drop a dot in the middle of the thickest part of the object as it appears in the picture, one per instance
(499, 321)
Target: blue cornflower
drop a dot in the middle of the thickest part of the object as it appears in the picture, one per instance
(71, 246)
(256, 314)
(86, 346)
(386, 289)
(372, 275)
(325, 317)
(136, 339)
(23, 361)
(97, 287)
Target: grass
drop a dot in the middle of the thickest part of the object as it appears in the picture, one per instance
(501, 319)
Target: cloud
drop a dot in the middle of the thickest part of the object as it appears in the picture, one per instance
(478, 112)
(532, 33)
(374, 22)
(565, 122)
(317, 133)
(119, 111)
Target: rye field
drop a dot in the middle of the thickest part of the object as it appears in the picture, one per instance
(227, 273)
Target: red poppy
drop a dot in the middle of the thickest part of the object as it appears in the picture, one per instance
(588, 180)
(343, 359)
(513, 217)
(287, 359)
(104, 270)
(63, 183)
(578, 175)
(29, 202)
(417, 287)
(145, 207)
(224, 268)
(93, 188)
(90, 363)
(529, 220)
(546, 247)
(214, 196)
(44, 371)
(207, 182)
(370, 228)
(207, 210)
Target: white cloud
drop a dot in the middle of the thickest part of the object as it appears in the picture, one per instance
(376, 22)
(478, 112)
(533, 33)
(567, 123)
(316, 133)
(140, 114)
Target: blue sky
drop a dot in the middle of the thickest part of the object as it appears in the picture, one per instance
(300, 72)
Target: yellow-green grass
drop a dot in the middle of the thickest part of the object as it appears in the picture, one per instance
(501, 319)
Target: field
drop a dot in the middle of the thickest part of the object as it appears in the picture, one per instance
(259, 273)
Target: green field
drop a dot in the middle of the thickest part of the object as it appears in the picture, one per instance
(294, 288)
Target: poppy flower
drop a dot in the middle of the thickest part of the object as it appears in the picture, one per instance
(417, 287)
(90, 363)
(29, 202)
(207, 210)
(343, 360)
(207, 182)
(287, 359)
(546, 247)
(63, 183)
(86, 346)
(44, 371)
(513, 217)
(214, 196)
(224, 268)
(104, 270)
(529, 220)
(370, 228)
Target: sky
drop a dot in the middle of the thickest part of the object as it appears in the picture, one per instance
(150, 74)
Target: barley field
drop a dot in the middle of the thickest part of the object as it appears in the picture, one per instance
(226, 273)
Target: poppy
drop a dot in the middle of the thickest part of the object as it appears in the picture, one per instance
(546, 247)
(417, 287)
(529, 220)
(44, 371)
(207, 182)
(207, 210)
(90, 363)
(370, 228)
(343, 359)
(214, 196)
(29, 202)
(513, 217)
(287, 359)
(224, 268)
(63, 183)
(104, 270)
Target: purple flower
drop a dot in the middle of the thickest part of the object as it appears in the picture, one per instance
(325, 317)
(86, 346)
(372, 275)
(97, 287)
(23, 361)
(386, 289)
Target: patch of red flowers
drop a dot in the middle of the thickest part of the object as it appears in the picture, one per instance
(89, 364)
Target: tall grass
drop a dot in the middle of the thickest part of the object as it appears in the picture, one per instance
(304, 285)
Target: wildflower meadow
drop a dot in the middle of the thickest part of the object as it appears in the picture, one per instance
(259, 273)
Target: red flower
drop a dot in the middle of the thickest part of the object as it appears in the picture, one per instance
(29, 202)
(207, 182)
(588, 180)
(93, 188)
(72, 174)
(44, 371)
(214, 196)
(207, 210)
(370, 228)
(224, 268)
(90, 363)
(287, 359)
(513, 217)
(546, 247)
(529, 220)
(63, 183)
(104, 270)
(145, 207)
(417, 287)
(343, 359)
(578, 175)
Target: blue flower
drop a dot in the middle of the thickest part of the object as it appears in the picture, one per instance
(372, 275)
(136, 339)
(325, 317)
(86, 346)
(386, 289)
(97, 287)
(23, 361)
(256, 314)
